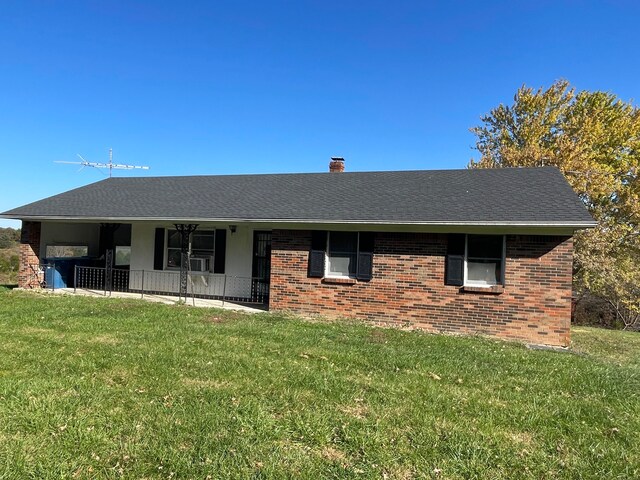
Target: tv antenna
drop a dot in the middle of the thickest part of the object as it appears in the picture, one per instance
(109, 165)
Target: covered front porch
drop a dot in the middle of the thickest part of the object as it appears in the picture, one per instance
(227, 263)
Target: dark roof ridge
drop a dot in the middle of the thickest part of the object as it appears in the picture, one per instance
(349, 173)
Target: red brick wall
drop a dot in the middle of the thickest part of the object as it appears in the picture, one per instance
(28, 276)
(408, 287)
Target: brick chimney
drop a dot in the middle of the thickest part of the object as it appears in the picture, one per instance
(336, 165)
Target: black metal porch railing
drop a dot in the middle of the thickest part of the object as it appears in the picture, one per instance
(148, 282)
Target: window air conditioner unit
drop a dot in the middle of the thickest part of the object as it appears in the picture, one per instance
(199, 264)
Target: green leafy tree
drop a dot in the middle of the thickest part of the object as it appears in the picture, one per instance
(594, 139)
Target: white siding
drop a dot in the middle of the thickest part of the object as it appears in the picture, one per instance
(142, 244)
(57, 233)
(238, 263)
(239, 252)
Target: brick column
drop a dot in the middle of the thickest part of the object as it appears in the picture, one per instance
(28, 276)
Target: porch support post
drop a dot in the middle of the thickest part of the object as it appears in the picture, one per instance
(105, 248)
(108, 271)
(185, 230)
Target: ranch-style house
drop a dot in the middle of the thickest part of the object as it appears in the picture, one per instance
(485, 251)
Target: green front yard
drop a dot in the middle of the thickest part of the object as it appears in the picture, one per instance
(101, 388)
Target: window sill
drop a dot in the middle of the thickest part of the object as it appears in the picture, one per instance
(492, 289)
(340, 280)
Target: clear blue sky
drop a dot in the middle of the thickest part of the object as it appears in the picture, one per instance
(260, 87)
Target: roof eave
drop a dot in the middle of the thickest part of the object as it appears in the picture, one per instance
(560, 224)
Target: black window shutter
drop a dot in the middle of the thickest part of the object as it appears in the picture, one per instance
(454, 272)
(365, 266)
(504, 264)
(454, 268)
(158, 251)
(317, 253)
(365, 256)
(220, 251)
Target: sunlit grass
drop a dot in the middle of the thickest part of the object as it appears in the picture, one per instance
(96, 388)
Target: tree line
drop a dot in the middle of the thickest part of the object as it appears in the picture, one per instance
(9, 237)
(593, 138)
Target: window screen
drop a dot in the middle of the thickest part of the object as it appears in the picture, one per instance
(484, 259)
(343, 254)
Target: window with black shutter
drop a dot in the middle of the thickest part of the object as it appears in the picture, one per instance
(207, 250)
(475, 260)
(342, 255)
(485, 260)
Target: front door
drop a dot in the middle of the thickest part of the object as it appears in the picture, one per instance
(261, 269)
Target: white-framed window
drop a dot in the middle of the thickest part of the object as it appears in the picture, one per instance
(342, 254)
(201, 248)
(484, 260)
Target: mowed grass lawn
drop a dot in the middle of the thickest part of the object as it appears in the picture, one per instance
(105, 388)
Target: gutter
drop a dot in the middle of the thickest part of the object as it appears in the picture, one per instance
(304, 221)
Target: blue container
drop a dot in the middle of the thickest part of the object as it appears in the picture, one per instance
(60, 270)
(53, 276)
(60, 274)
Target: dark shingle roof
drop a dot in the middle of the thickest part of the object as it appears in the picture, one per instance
(527, 196)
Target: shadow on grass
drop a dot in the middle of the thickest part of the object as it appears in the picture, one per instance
(8, 286)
